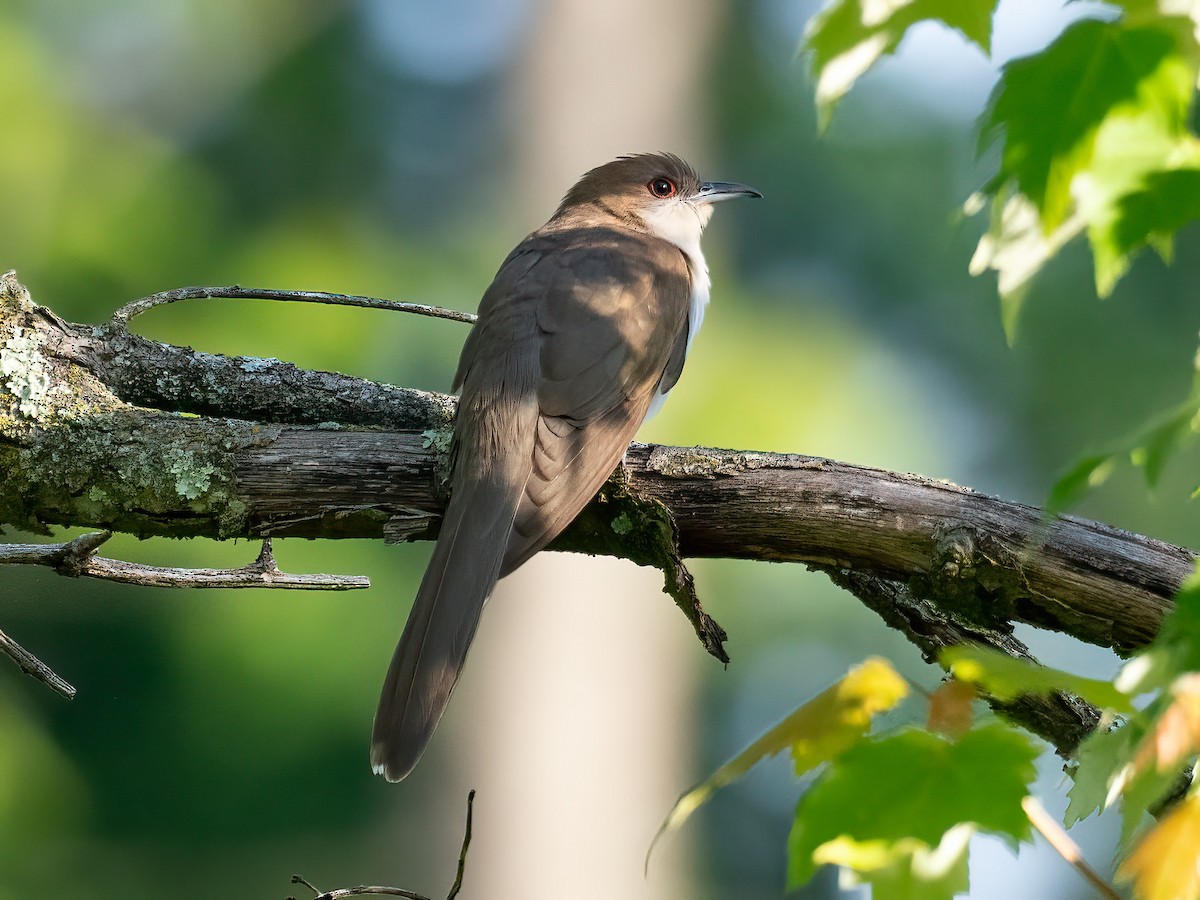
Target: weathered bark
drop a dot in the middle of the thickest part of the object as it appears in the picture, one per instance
(99, 427)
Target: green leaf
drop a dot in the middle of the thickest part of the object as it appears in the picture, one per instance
(847, 37)
(1176, 649)
(1108, 771)
(1151, 213)
(1006, 678)
(1100, 757)
(1150, 449)
(905, 869)
(1087, 474)
(1091, 130)
(1048, 107)
(1016, 246)
(1161, 441)
(1141, 761)
(1141, 788)
(816, 732)
(914, 786)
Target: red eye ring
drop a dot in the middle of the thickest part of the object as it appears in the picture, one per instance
(661, 187)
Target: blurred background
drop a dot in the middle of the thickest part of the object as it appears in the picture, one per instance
(400, 148)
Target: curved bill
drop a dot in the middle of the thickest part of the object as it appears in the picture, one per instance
(714, 191)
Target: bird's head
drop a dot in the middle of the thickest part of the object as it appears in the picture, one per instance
(657, 192)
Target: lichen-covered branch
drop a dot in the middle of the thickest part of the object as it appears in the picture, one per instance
(102, 428)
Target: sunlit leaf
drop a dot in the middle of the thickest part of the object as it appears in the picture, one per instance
(1016, 247)
(1163, 864)
(1107, 776)
(915, 786)
(1166, 438)
(1164, 202)
(847, 37)
(1048, 107)
(1152, 10)
(1083, 477)
(1092, 132)
(816, 732)
(907, 869)
(1006, 678)
(1175, 735)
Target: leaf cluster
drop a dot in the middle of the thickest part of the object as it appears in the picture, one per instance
(1091, 135)
(896, 807)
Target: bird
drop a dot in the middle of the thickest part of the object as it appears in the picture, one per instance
(579, 338)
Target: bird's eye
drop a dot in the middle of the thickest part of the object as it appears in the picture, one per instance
(662, 188)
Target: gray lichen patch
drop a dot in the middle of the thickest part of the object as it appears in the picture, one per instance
(192, 478)
(440, 440)
(129, 470)
(37, 387)
(25, 373)
(703, 462)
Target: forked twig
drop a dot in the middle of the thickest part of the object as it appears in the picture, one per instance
(77, 558)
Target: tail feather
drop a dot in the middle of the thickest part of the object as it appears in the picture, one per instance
(429, 658)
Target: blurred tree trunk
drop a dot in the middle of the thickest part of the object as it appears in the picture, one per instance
(597, 80)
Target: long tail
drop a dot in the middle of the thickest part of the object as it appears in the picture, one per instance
(429, 658)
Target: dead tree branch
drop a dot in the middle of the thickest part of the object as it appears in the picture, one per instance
(91, 433)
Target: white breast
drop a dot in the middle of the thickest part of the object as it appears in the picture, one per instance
(681, 223)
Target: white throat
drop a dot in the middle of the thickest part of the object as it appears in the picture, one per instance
(682, 223)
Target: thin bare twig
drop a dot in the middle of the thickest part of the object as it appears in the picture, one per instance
(237, 292)
(395, 891)
(77, 558)
(355, 891)
(462, 854)
(34, 667)
(1066, 848)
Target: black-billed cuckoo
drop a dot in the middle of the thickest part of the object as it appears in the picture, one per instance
(579, 338)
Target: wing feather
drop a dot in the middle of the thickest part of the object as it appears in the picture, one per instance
(575, 336)
(609, 340)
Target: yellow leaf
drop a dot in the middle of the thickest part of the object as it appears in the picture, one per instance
(1163, 865)
(817, 731)
(1176, 733)
(836, 718)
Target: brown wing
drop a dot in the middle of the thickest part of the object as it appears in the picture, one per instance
(612, 324)
(573, 338)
